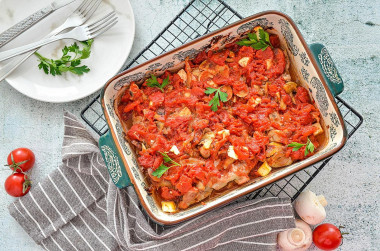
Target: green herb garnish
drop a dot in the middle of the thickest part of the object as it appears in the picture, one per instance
(309, 146)
(219, 95)
(256, 43)
(153, 82)
(162, 168)
(67, 63)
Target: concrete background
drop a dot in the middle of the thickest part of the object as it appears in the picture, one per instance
(351, 180)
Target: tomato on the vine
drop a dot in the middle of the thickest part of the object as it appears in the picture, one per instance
(21, 160)
(17, 184)
(327, 237)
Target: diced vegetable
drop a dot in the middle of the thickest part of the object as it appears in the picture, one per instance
(231, 153)
(319, 129)
(182, 74)
(264, 169)
(174, 150)
(207, 139)
(168, 206)
(243, 62)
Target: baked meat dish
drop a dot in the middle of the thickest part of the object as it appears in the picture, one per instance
(226, 117)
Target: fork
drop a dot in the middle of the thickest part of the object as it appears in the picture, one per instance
(78, 17)
(80, 33)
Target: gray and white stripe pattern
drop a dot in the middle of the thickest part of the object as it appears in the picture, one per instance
(77, 207)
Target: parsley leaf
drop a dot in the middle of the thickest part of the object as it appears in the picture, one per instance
(167, 159)
(162, 168)
(309, 146)
(219, 95)
(153, 82)
(68, 62)
(262, 42)
(296, 146)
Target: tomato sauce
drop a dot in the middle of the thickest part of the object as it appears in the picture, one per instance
(264, 112)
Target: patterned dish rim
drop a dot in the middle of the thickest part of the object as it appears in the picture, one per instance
(323, 86)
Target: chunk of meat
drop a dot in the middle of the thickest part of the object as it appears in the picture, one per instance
(280, 136)
(188, 198)
(238, 172)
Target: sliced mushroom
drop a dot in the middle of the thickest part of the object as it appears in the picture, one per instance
(208, 66)
(212, 84)
(207, 139)
(290, 87)
(276, 155)
(227, 89)
(182, 74)
(241, 92)
(184, 112)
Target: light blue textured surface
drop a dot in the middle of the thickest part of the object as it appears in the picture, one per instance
(351, 180)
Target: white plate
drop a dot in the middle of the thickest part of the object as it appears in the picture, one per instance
(108, 53)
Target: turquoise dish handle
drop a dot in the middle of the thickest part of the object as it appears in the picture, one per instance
(328, 68)
(113, 161)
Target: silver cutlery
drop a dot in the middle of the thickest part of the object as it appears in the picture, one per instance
(31, 20)
(80, 33)
(78, 17)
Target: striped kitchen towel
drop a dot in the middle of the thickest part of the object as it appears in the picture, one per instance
(77, 207)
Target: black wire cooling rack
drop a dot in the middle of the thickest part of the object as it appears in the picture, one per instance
(196, 19)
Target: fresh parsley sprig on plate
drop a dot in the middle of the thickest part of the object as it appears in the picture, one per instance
(262, 42)
(309, 146)
(219, 95)
(162, 168)
(68, 62)
(153, 82)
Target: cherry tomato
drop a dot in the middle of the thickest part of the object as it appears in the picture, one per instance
(327, 237)
(21, 159)
(17, 184)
